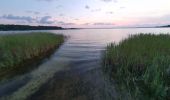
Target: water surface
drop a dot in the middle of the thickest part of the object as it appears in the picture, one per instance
(74, 72)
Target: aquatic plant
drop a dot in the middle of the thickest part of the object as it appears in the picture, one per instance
(140, 66)
(18, 50)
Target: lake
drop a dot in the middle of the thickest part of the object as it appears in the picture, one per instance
(74, 72)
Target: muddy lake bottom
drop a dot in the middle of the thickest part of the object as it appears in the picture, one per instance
(70, 86)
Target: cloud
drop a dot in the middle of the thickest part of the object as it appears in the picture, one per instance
(64, 23)
(86, 24)
(61, 14)
(36, 12)
(110, 12)
(47, 0)
(122, 7)
(110, 0)
(106, 0)
(46, 20)
(59, 6)
(18, 18)
(101, 23)
(33, 12)
(87, 7)
(96, 10)
(28, 19)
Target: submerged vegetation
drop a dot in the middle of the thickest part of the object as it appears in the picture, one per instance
(140, 66)
(20, 50)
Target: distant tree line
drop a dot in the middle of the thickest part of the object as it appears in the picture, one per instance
(165, 26)
(27, 27)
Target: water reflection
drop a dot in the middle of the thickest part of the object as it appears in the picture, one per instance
(80, 55)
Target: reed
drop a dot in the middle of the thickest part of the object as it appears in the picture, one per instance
(140, 66)
(20, 50)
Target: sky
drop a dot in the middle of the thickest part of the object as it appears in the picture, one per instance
(86, 13)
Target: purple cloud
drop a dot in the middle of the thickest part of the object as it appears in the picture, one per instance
(110, 12)
(46, 20)
(110, 0)
(64, 23)
(33, 12)
(47, 0)
(101, 23)
(87, 7)
(18, 18)
(28, 19)
(96, 10)
(59, 6)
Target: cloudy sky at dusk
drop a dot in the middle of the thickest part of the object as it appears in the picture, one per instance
(85, 13)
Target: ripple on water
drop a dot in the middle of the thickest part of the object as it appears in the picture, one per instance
(74, 71)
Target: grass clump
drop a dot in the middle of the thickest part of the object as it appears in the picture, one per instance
(20, 50)
(140, 66)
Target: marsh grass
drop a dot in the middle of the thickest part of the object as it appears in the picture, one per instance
(20, 50)
(140, 66)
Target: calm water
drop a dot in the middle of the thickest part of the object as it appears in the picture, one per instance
(74, 71)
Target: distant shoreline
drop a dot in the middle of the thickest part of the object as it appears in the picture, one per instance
(9, 27)
(28, 27)
(166, 26)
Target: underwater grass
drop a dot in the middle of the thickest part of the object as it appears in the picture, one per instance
(17, 50)
(140, 66)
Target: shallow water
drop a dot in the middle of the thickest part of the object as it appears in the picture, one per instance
(74, 71)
